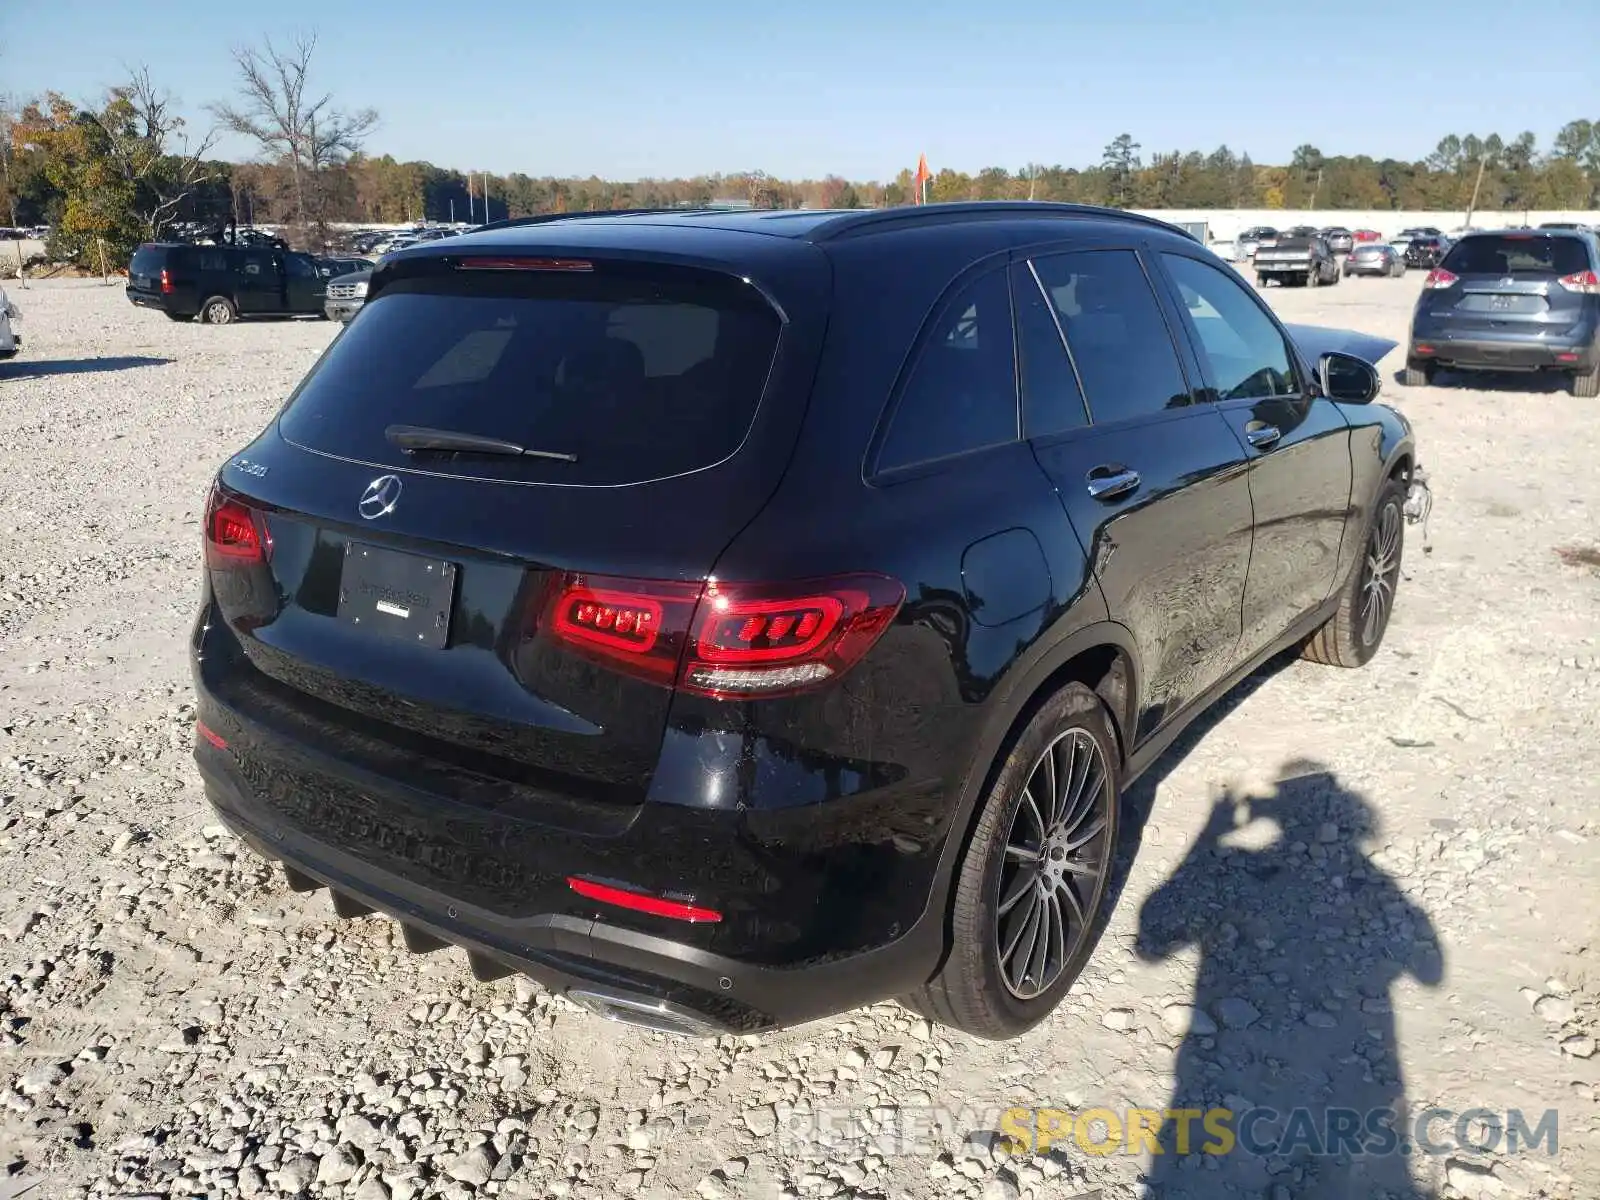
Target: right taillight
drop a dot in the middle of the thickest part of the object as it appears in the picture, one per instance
(166, 282)
(235, 535)
(762, 639)
(720, 639)
(1438, 278)
(1586, 282)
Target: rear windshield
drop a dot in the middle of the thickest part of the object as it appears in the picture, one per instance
(638, 378)
(149, 260)
(1518, 254)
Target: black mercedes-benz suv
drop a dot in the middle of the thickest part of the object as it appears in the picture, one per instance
(729, 619)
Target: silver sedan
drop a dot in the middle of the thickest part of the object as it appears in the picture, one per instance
(1374, 258)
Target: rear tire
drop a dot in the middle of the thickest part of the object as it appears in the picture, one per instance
(1417, 376)
(219, 310)
(1039, 859)
(1587, 384)
(1366, 601)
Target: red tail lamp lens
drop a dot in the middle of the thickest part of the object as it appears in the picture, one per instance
(724, 640)
(1586, 282)
(656, 906)
(770, 639)
(166, 282)
(1438, 278)
(630, 623)
(636, 626)
(235, 535)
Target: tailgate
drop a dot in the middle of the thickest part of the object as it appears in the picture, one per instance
(511, 614)
(1509, 282)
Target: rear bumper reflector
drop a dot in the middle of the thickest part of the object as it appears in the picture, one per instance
(656, 906)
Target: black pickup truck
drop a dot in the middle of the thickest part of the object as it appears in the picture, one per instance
(1298, 260)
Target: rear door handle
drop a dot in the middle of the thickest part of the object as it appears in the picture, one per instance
(1261, 435)
(1109, 482)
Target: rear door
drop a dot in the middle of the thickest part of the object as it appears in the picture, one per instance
(304, 285)
(1298, 444)
(1155, 483)
(517, 616)
(1507, 282)
(257, 277)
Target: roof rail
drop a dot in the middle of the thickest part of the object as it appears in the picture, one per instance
(919, 213)
(544, 218)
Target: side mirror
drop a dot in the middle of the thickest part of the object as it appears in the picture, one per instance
(1348, 379)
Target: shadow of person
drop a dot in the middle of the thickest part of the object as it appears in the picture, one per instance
(1300, 937)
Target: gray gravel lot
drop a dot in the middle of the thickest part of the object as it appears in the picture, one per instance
(1351, 889)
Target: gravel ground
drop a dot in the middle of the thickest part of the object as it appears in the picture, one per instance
(175, 1022)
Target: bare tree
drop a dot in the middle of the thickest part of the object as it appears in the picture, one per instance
(291, 123)
(145, 138)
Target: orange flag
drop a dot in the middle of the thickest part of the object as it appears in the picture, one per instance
(923, 176)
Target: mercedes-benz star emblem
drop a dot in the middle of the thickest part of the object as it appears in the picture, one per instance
(382, 494)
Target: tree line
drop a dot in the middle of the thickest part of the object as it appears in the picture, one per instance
(109, 172)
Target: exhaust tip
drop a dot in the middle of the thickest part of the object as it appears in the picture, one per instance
(645, 1012)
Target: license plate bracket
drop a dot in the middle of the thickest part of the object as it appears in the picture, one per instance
(394, 594)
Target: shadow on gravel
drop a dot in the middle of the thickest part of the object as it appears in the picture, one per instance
(1533, 383)
(1300, 937)
(38, 368)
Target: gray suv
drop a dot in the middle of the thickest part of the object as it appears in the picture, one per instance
(1516, 300)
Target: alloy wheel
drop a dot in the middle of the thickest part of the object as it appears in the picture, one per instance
(1379, 576)
(1057, 859)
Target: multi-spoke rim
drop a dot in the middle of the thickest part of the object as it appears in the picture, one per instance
(1378, 580)
(1056, 858)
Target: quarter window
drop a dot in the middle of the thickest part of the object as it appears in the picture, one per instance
(1051, 399)
(1114, 328)
(1248, 357)
(961, 394)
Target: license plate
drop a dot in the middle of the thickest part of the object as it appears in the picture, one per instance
(393, 594)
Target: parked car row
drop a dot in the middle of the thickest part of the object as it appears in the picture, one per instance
(383, 241)
(24, 233)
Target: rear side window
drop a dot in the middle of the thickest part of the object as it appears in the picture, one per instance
(640, 378)
(1118, 337)
(214, 260)
(147, 260)
(1529, 254)
(961, 394)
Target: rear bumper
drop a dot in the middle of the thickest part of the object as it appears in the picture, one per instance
(1284, 268)
(1489, 351)
(384, 846)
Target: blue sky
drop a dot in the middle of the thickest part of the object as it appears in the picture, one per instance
(628, 89)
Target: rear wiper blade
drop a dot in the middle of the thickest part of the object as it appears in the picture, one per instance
(412, 438)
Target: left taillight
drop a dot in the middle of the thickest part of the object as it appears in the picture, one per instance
(1438, 278)
(724, 640)
(236, 535)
